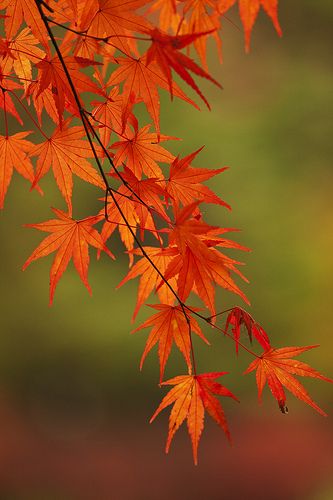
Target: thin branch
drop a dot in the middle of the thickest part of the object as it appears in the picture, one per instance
(90, 131)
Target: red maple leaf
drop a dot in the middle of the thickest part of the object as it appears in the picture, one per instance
(165, 50)
(238, 317)
(276, 367)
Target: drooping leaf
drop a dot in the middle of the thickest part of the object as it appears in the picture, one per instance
(191, 396)
(165, 50)
(129, 212)
(169, 326)
(108, 115)
(238, 317)
(203, 17)
(276, 368)
(6, 102)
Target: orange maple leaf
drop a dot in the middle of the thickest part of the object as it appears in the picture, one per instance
(71, 239)
(140, 150)
(114, 20)
(51, 75)
(248, 11)
(149, 277)
(6, 102)
(191, 396)
(66, 152)
(203, 18)
(184, 184)
(142, 79)
(24, 52)
(276, 367)
(169, 18)
(196, 263)
(19, 10)
(134, 209)
(14, 151)
(108, 115)
(167, 326)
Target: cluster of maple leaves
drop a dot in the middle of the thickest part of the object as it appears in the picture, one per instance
(54, 55)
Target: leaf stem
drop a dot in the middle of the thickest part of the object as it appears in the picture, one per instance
(5, 111)
(29, 114)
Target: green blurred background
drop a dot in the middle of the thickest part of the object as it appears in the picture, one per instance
(74, 407)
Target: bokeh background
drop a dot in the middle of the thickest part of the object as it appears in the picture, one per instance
(74, 407)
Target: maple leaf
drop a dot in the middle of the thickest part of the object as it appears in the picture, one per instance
(19, 10)
(168, 17)
(203, 18)
(184, 182)
(164, 50)
(150, 278)
(191, 396)
(167, 326)
(117, 213)
(276, 367)
(238, 317)
(43, 101)
(23, 48)
(71, 239)
(66, 152)
(248, 11)
(149, 191)
(140, 150)
(142, 79)
(108, 114)
(6, 102)
(115, 20)
(127, 211)
(196, 263)
(52, 75)
(14, 151)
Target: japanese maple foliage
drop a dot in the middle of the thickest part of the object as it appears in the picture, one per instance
(87, 81)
